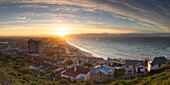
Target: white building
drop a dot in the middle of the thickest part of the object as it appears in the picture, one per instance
(75, 73)
(156, 62)
(134, 66)
(101, 72)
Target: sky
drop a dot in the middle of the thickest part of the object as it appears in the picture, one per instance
(38, 17)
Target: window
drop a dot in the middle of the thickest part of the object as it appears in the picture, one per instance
(129, 71)
(100, 74)
(127, 66)
(159, 65)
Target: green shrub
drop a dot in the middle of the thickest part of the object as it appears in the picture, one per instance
(78, 83)
(34, 83)
(88, 82)
(13, 73)
(166, 82)
(22, 81)
(119, 82)
(26, 77)
(64, 82)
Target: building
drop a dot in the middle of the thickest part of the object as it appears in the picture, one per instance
(4, 45)
(134, 66)
(75, 73)
(10, 51)
(101, 72)
(34, 46)
(156, 62)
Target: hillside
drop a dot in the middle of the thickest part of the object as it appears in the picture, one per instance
(15, 70)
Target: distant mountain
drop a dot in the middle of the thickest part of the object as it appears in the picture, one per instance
(145, 35)
(123, 35)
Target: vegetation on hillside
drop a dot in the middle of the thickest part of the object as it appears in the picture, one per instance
(15, 70)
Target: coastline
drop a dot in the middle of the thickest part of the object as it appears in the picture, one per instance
(83, 54)
(79, 53)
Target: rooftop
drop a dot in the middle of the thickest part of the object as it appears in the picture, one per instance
(158, 60)
(107, 70)
(134, 62)
(71, 74)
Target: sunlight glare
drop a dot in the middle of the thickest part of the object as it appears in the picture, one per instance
(62, 32)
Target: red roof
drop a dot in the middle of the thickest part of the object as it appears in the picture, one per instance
(71, 74)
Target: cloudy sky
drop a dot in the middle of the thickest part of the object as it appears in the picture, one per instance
(36, 17)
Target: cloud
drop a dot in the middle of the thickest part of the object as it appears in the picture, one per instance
(126, 9)
(123, 17)
(72, 28)
(90, 22)
(145, 24)
(21, 18)
(10, 22)
(32, 6)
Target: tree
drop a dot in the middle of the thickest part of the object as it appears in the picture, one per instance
(1, 53)
(69, 62)
(78, 83)
(34, 83)
(119, 72)
(88, 82)
(27, 78)
(52, 75)
(64, 82)
(4, 78)
(88, 64)
(79, 61)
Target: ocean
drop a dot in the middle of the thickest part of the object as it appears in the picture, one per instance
(123, 47)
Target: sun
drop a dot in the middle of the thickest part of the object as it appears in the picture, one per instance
(62, 32)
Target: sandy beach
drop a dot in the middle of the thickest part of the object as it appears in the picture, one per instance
(79, 52)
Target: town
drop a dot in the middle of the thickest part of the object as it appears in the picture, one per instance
(56, 57)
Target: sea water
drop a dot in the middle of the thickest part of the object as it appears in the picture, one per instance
(123, 47)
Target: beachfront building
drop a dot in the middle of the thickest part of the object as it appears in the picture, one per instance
(3, 45)
(156, 62)
(10, 51)
(34, 46)
(75, 73)
(101, 72)
(134, 66)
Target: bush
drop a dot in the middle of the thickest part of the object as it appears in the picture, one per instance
(22, 81)
(107, 81)
(64, 82)
(78, 83)
(26, 77)
(119, 82)
(88, 64)
(25, 70)
(34, 83)
(69, 62)
(166, 82)
(13, 73)
(4, 78)
(88, 82)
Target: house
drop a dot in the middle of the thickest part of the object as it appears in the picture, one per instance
(75, 73)
(101, 72)
(156, 62)
(134, 66)
(116, 65)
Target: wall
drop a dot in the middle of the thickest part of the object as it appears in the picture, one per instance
(150, 67)
(99, 76)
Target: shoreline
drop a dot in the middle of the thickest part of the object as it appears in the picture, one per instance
(79, 53)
